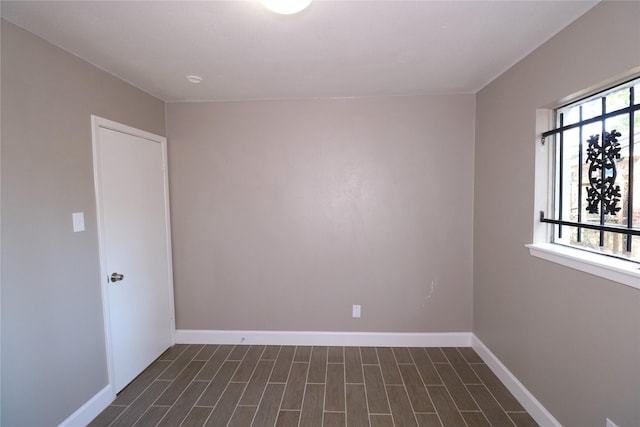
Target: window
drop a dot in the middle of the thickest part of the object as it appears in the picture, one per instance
(592, 157)
(596, 163)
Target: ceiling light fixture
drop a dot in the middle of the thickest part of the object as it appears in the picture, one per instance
(285, 7)
(192, 78)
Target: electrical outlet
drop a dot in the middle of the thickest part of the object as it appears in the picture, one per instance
(355, 311)
(610, 423)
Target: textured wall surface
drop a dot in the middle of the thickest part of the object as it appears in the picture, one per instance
(285, 213)
(53, 345)
(571, 338)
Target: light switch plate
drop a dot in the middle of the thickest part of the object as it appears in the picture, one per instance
(78, 221)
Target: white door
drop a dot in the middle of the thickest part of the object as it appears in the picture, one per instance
(133, 221)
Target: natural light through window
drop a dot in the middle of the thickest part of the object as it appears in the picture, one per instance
(597, 173)
(590, 197)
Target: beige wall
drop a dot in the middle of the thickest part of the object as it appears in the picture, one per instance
(571, 338)
(53, 351)
(285, 213)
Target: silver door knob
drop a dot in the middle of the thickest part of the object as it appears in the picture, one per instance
(116, 277)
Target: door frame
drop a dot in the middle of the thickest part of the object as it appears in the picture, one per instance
(97, 123)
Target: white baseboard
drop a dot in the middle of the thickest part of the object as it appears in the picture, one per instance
(91, 409)
(610, 423)
(362, 339)
(519, 391)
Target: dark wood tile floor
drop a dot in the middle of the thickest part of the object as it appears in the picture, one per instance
(226, 385)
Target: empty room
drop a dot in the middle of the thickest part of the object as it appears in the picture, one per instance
(320, 213)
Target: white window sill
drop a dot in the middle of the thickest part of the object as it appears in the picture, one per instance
(618, 270)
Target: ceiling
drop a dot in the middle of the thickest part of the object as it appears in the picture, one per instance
(331, 49)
